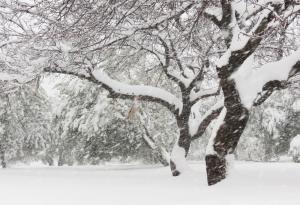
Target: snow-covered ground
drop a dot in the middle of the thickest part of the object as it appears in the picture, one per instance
(249, 183)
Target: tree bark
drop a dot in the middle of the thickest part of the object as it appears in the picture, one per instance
(2, 158)
(228, 133)
(183, 142)
(61, 160)
(161, 157)
(49, 160)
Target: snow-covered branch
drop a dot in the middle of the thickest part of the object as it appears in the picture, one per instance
(214, 14)
(195, 96)
(255, 86)
(197, 130)
(120, 90)
(143, 92)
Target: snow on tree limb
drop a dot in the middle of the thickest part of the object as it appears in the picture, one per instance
(205, 120)
(195, 96)
(141, 91)
(269, 77)
(241, 41)
(124, 91)
(214, 13)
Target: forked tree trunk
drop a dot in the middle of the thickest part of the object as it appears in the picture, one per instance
(228, 134)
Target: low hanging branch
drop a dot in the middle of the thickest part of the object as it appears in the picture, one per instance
(274, 85)
(282, 71)
(124, 91)
(268, 90)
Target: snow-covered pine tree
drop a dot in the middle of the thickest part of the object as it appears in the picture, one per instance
(88, 131)
(25, 114)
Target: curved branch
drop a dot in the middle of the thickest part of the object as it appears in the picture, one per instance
(213, 18)
(195, 97)
(225, 20)
(208, 117)
(124, 91)
(268, 89)
(274, 85)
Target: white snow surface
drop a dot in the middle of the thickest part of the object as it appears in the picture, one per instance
(250, 81)
(137, 90)
(249, 183)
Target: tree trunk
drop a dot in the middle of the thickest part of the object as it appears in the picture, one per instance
(161, 156)
(181, 148)
(2, 158)
(296, 159)
(228, 133)
(180, 151)
(61, 160)
(49, 160)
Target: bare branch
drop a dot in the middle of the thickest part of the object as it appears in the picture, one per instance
(167, 64)
(175, 16)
